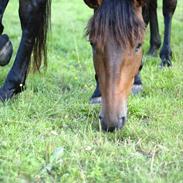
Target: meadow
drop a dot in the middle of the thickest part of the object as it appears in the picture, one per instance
(50, 132)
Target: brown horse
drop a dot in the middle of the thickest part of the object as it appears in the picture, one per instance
(116, 33)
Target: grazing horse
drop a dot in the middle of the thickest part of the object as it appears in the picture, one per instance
(34, 17)
(137, 84)
(116, 33)
(150, 16)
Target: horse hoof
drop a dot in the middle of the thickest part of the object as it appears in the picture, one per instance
(5, 95)
(165, 63)
(6, 50)
(136, 89)
(96, 100)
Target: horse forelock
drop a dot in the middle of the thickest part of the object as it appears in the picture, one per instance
(116, 19)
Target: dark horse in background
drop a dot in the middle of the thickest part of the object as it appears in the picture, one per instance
(150, 16)
(116, 33)
(34, 17)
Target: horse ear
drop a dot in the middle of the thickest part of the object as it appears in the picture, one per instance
(94, 4)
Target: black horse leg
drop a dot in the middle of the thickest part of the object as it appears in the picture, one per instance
(155, 40)
(137, 85)
(96, 97)
(145, 12)
(169, 7)
(30, 12)
(3, 4)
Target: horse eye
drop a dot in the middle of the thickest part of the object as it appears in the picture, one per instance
(91, 43)
(138, 47)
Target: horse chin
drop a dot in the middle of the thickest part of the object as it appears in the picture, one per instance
(6, 50)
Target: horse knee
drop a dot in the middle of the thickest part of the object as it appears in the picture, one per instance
(169, 7)
(32, 8)
(38, 5)
(153, 5)
(31, 13)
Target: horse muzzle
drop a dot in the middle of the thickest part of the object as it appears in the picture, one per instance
(112, 125)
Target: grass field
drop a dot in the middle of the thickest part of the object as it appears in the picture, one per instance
(50, 133)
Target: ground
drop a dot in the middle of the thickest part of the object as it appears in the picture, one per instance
(50, 133)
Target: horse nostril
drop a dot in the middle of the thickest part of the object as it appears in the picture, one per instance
(122, 121)
(113, 126)
(108, 128)
(105, 126)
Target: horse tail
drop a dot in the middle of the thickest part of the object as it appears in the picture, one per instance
(40, 46)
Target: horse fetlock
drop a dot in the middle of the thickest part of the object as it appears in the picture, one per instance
(153, 51)
(166, 57)
(155, 45)
(11, 88)
(7, 93)
(156, 42)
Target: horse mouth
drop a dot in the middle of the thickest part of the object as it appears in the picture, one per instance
(117, 126)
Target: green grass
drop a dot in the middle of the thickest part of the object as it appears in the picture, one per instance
(50, 133)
